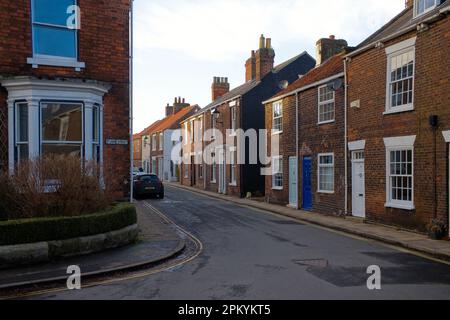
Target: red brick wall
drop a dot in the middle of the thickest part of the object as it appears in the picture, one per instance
(103, 44)
(224, 123)
(367, 81)
(313, 140)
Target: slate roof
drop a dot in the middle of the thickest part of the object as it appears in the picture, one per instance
(402, 21)
(331, 67)
(246, 87)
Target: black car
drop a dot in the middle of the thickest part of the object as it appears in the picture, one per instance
(148, 185)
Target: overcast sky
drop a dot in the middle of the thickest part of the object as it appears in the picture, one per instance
(180, 45)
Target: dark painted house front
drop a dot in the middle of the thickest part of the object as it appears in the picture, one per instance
(240, 108)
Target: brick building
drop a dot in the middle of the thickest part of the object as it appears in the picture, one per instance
(308, 117)
(162, 138)
(65, 85)
(137, 151)
(399, 119)
(240, 108)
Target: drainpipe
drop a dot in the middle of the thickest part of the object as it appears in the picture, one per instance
(346, 135)
(203, 149)
(131, 101)
(297, 149)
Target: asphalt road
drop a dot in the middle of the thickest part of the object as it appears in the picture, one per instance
(250, 254)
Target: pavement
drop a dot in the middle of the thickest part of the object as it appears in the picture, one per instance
(390, 235)
(158, 241)
(253, 254)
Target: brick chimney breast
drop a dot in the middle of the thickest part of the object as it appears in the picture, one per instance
(328, 47)
(219, 87)
(250, 67)
(264, 58)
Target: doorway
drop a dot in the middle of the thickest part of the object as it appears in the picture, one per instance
(307, 184)
(358, 185)
(293, 191)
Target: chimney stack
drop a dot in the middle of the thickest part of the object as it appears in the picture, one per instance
(409, 3)
(250, 67)
(219, 87)
(260, 62)
(178, 105)
(328, 47)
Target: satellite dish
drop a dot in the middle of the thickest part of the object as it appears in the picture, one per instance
(335, 85)
(283, 84)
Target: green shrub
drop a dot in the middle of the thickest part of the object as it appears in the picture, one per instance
(52, 186)
(61, 228)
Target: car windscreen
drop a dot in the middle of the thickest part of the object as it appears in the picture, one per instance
(149, 179)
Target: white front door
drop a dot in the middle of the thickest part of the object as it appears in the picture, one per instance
(293, 202)
(358, 185)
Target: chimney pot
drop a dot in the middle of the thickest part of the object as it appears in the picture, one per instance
(332, 37)
(261, 42)
(268, 43)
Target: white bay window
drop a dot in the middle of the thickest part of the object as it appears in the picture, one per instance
(54, 117)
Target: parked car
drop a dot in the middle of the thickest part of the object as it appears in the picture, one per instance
(148, 185)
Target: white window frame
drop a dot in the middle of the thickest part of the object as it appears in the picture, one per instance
(17, 142)
(398, 144)
(214, 170)
(154, 164)
(50, 60)
(321, 104)
(161, 141)
(416, 8)
(277, 104)
(233, 166)
(274, 173)
(233, 115)
(154, 142)
(213, 126)
(319, 166)
(393, 51)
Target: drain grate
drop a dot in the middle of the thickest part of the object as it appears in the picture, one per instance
(318, 263)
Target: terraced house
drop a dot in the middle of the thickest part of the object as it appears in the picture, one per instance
(240, 108)
(399, 119)
(308, 167)
(162, 138)
(64, 87)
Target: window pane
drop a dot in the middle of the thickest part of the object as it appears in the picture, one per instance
(95, 125)
(23, 151)
(61, 122)
(54, 41)
(61, 149)
(52, 11)
(22, 122)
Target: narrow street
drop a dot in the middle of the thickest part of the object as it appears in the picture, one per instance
(250, 254)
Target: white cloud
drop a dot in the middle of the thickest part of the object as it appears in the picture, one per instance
(217, 30)
(181, 44)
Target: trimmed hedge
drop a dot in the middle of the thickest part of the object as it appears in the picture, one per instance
(63, 228)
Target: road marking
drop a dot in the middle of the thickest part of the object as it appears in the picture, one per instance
(343, 233)
(197, 252)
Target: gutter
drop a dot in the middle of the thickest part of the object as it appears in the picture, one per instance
(309, 86)
(131, 102)
(346, 135)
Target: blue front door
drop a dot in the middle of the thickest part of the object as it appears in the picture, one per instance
(306, 182)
